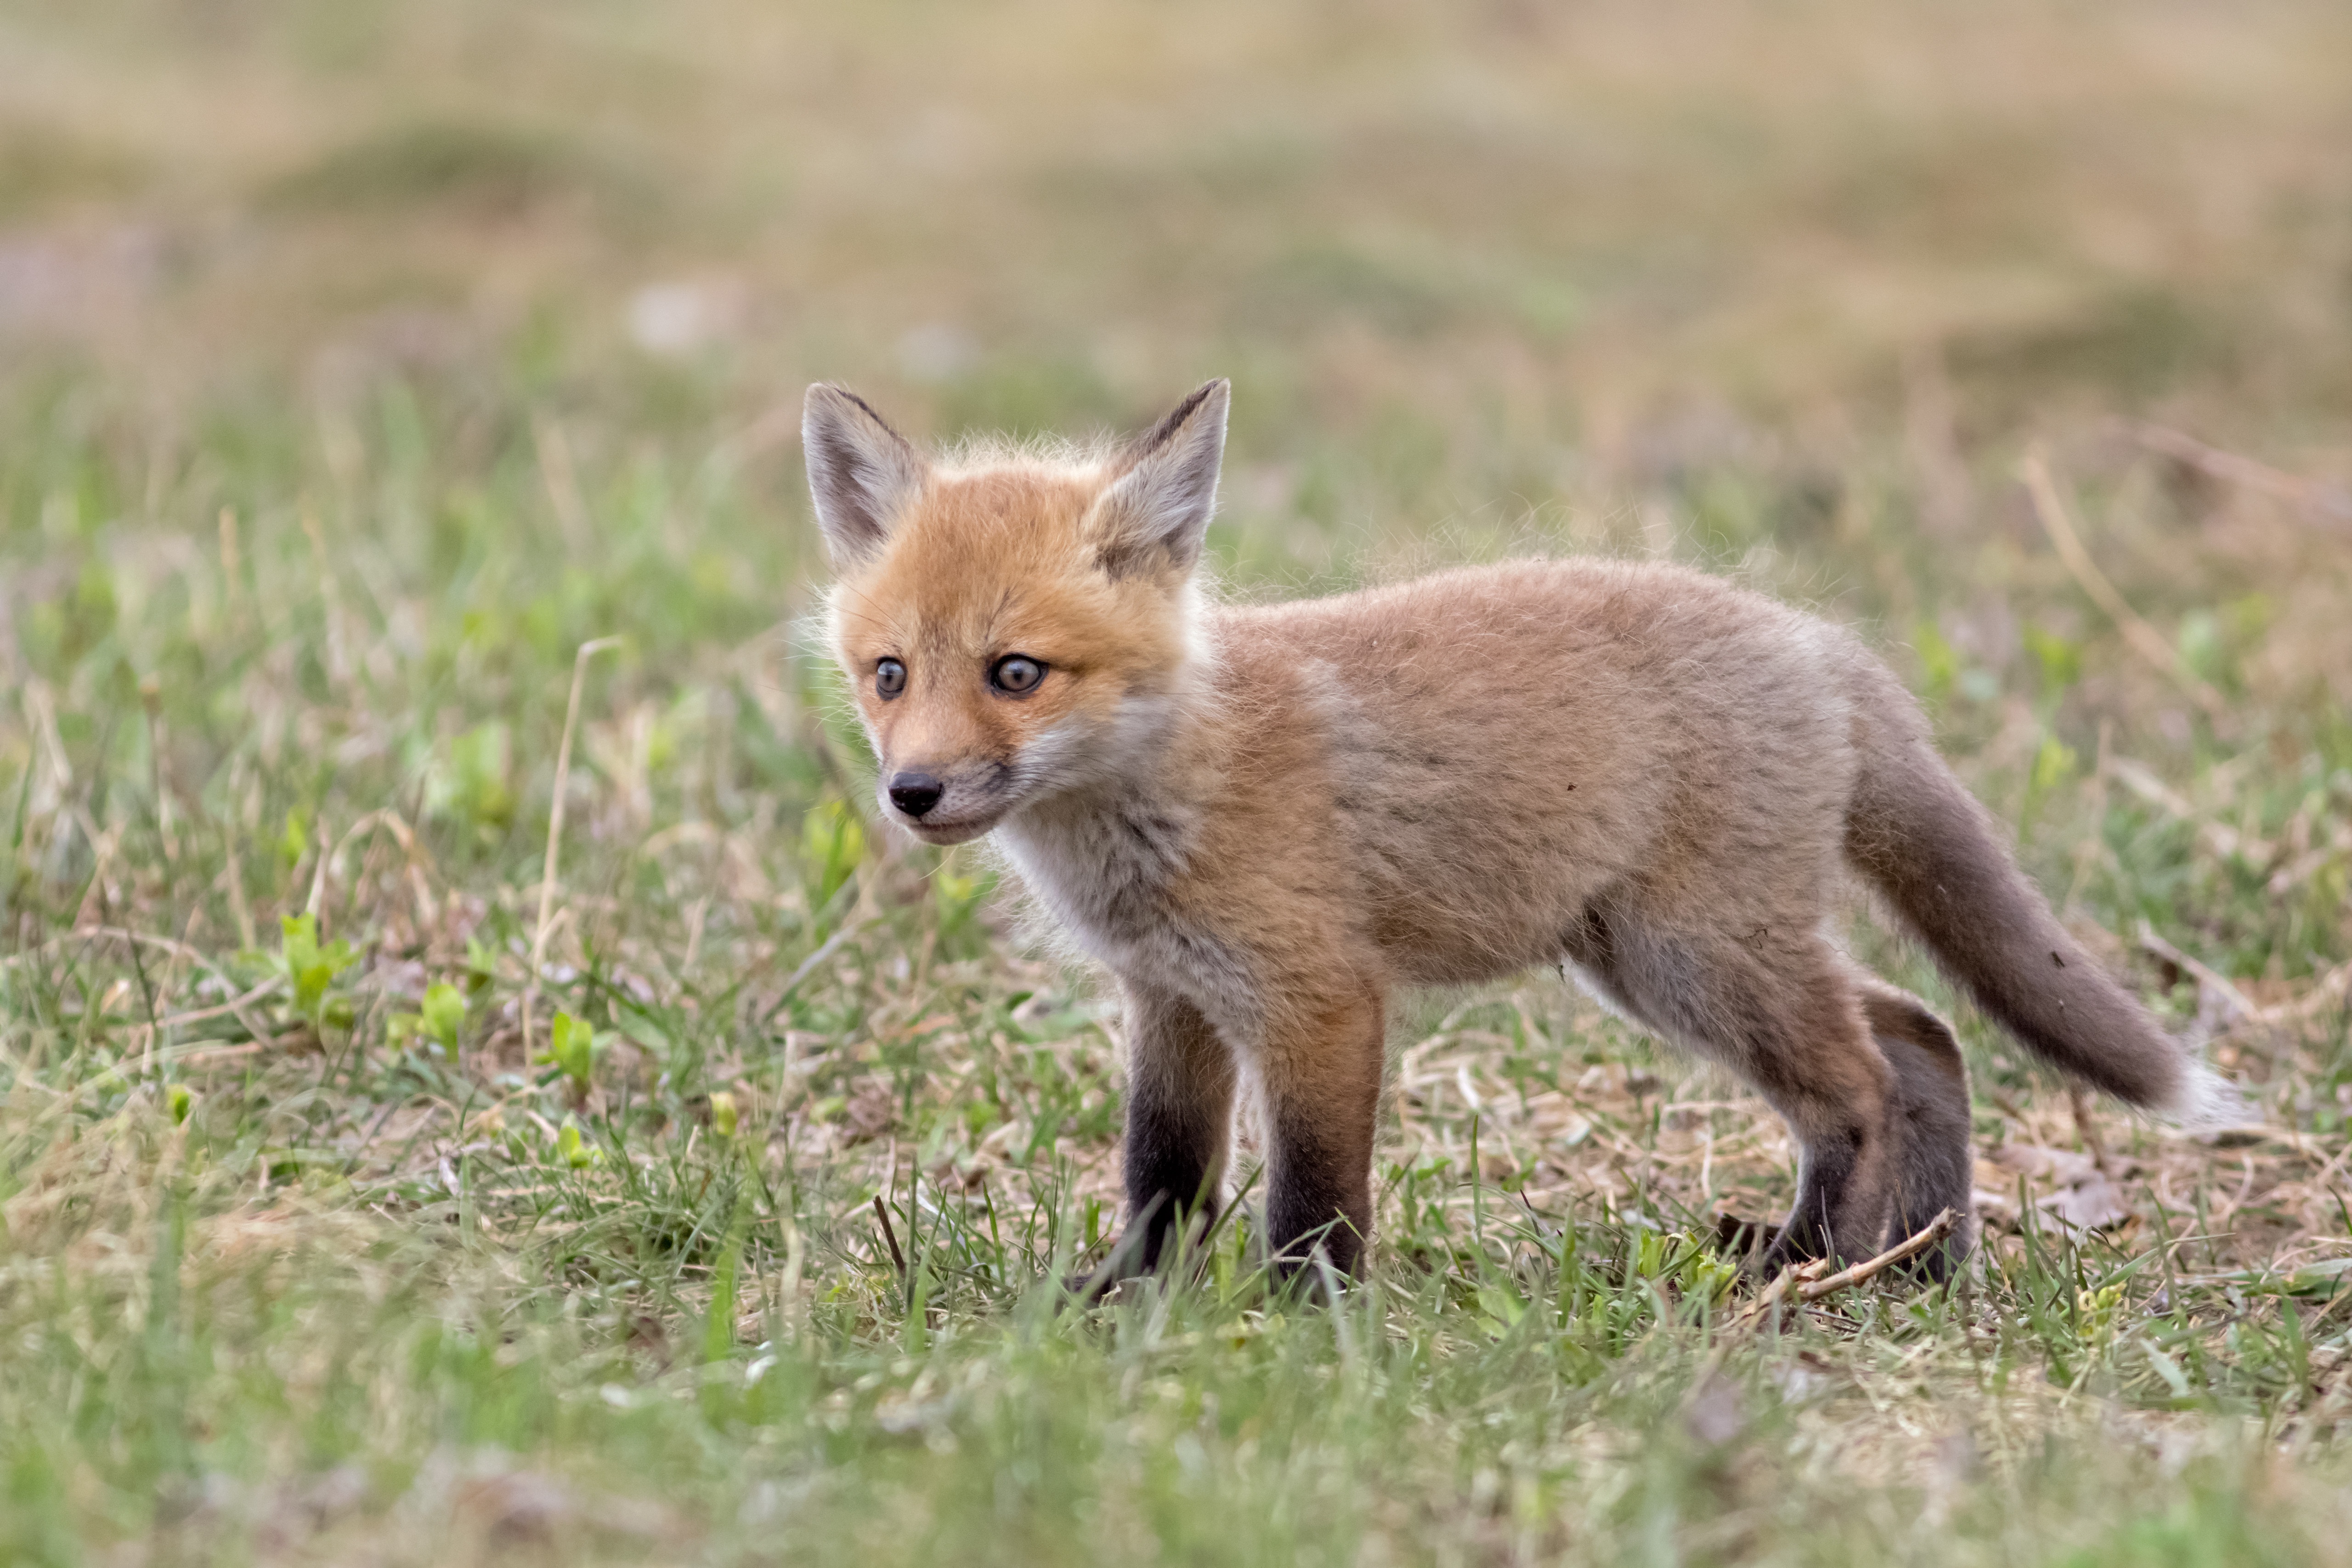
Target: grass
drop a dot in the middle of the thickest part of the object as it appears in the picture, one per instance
(367, 1195)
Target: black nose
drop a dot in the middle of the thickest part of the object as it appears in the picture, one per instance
(916, 793)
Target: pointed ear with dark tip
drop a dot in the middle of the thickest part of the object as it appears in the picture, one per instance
(1155, 515)
(862, 474)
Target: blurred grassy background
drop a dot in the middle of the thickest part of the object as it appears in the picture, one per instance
(1525, 250)
(1489, 276)
(358, 362)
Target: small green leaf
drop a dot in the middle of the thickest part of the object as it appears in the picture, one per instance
(571, 1047)
(723, 1114)
(310, 968)
(833, 841)
(443, 1014)
(572, 1149)
(2202, 645)
(718, 1328)
(2051, 764)
(468, 781)
(958, 897)
(181, 1101)
(1939, 662)
(2061, 662)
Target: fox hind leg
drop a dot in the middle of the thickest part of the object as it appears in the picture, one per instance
(1785, 1015)
(1935, 1168)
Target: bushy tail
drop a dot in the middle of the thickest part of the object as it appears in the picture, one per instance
(1918, 834)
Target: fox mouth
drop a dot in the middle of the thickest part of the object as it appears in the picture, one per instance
(950, 822)
(944, 831)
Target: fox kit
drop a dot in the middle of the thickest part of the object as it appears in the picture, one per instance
(1263, 820)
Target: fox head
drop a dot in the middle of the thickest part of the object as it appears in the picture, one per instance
(1015, 627)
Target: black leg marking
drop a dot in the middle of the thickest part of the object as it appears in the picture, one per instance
(1180, 1096)
(1320, 1199)
(1827, 1220)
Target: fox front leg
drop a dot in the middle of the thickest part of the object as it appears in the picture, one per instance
(1179, 1105)
(1322, 1091)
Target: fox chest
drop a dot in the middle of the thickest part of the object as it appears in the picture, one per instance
(1106, 884)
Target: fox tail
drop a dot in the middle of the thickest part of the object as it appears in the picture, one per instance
(1919, 836)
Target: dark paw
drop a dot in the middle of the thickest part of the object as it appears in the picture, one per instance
(1747, 1241)
(1099, 1287)
(1091, 1287)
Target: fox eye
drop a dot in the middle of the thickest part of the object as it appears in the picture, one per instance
(1016, 674)
(889, 678)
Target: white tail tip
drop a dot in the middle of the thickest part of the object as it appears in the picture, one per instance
(2208, 1102)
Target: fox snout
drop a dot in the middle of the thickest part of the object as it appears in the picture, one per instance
(915, 793)
(942, 803)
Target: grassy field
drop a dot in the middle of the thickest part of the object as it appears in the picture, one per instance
(387, 1178)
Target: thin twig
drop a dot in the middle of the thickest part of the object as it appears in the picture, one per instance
(807, 967)
(2322, 502)
(1783, 1283)
(1934, 1231)
(203, 1015)
(2333, 987)
(555, 828)
(2208, 979)
(2143, 638)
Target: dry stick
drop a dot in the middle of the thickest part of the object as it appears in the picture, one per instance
(555, 828)
(2241, 1009)
(2335, 984)
(2143, 638)
(2321, 500)
(1934, 1231)
(1806, 1283)
(808, 965)
(205, 1015)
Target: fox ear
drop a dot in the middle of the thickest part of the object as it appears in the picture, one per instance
(862, 474)
(1156, 513)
